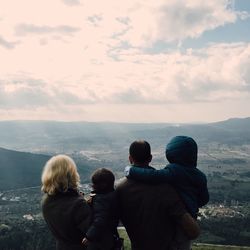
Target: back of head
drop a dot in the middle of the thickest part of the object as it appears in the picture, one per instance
(140, 152)
(103, 180)
(59, 175)
(182, 150)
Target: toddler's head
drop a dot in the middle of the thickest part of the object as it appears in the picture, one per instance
(103, 180)
(182, 150)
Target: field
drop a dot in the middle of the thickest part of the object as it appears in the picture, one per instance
(217, 247)
(196, 246)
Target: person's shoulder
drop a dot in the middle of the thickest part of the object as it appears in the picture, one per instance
(44, 201)
(125, 185)
(48, 199)
(200, 172)
(78, 202)
(181, 169)
(178, 167)
(202, 179)
(104, 196)
(199, 175)
(121, 182)
(77, 199)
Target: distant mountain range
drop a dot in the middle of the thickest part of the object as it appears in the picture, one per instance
(52, 137)
(232, 131)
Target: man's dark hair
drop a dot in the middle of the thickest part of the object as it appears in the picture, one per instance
(103, 180)
(140, 151)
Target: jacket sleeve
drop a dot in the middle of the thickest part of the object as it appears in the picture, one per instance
(203, 195)
(82, 216)
(101, 209)
(150, 175)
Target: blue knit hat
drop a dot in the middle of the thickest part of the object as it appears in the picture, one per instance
(182, 150)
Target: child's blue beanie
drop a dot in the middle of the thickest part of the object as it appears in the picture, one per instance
(182, 150)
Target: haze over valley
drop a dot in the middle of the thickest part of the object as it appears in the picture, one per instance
(224, 147)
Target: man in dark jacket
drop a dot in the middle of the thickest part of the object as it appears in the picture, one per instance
(150, 213)
(182, 173)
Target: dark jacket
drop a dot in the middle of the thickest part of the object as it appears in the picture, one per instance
(105, 220)
(149, 213)
(182, 173)
(68, 217)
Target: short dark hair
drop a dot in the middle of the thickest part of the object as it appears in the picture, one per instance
(140, 151)
(103, 180)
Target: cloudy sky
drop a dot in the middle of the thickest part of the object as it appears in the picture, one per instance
(125, 61)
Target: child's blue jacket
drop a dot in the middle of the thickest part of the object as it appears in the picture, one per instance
(190, 183)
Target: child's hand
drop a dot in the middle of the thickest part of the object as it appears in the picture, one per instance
(81, 193)
(90, 200)
(126, 170)
(85, 241)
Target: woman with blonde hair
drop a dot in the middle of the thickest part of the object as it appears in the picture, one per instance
(65, 210)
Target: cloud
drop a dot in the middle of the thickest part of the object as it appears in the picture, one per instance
(134, 23)
(17, 81)
(95, 20)
(71, 2)
(218, 72)
(6, 44)
(31, 93)
(24, 29)
(129, 96)
(172, 83)
(120, 53)
(21, 92)
(173, 21)
(213, 73)
(23, 97)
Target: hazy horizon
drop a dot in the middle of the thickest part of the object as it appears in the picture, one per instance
(122, 122)
(125, 61)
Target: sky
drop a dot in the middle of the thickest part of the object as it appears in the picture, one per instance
(124, 61)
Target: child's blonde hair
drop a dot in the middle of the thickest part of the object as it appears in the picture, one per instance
(59, 175)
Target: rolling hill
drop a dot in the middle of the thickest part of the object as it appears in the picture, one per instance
(22, 170)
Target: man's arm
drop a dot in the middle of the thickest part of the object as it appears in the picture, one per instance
(176, 210)
(190, 226)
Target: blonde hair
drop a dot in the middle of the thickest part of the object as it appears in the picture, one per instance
(59, 175)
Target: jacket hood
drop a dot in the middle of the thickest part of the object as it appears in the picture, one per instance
(182, 150)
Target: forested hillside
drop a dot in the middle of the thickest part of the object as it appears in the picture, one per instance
(22, 170)
(19, 169)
